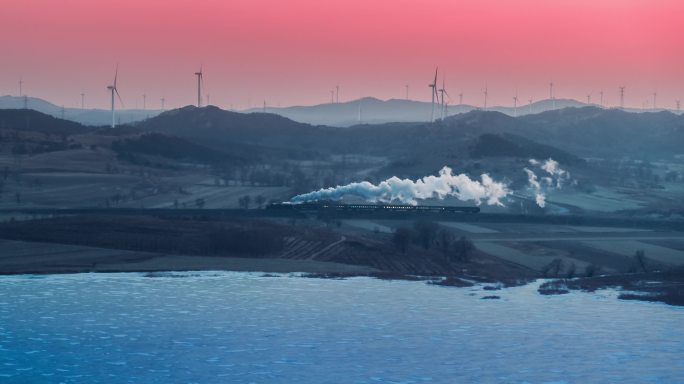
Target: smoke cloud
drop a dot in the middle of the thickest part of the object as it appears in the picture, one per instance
(555, 179)
(407, 191)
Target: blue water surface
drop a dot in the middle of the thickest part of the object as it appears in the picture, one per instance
(222, 327)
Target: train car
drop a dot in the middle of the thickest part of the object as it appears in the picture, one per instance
(336, 207)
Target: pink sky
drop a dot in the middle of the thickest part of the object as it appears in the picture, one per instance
(295, 51)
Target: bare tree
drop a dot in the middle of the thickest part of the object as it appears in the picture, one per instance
(553, 268)
(402, 238)
(640, 260)
(592, 270)
(463, 248)
(445, 240)
(426, 231)
(244, 202)
(260, 200)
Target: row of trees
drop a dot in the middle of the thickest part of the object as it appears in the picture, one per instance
(429, 235)
(557, 268)
(245, 201)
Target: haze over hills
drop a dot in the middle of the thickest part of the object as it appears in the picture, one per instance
(88, 116)
(370, 110)
(367, 110)
(585, 132)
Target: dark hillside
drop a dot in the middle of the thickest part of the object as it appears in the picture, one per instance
(28, 120)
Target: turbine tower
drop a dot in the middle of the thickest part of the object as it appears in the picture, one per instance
(530, 101)
(553, 99)
(200, 81)
(622, 97)
(113, 89)
(486, 93)
(407, 86)
(443, 92)
(337, 94)
(162, 103)
(21, 83)
(460, 98)
(82, 100)
(589, 98)
(601, 93)
(433, 85)
(678, 102)
(359, 117)
(515, 104)
(332, 96)
(655, 94)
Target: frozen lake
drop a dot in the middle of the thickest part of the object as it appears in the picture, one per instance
(244, 328)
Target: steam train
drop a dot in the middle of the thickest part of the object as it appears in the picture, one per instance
(336, 207)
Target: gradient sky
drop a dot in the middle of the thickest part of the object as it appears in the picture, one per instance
(295, 51)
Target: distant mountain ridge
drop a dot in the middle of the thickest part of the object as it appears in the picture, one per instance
(28, 120)
(587, 132)
(584, 132)
(369, 110)
(88, 116)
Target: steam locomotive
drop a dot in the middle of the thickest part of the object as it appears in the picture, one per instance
(336, 207)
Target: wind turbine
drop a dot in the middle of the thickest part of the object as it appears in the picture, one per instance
(601, 93)
(162, 103)
(589, 98)
(82, 100)
(678, 102)
(337, 94)
(486, 93)
(21, 83)
(200, 81)
(515, 104)
(553, 99)
(433, 85)
(112, 88)
(359, 117)
(622, 97)
(460, 98)
(654, 101)
(443, 92)
(530, 101)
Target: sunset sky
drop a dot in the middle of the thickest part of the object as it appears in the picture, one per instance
(294, 52)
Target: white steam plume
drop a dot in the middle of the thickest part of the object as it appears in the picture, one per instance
(539, 195)
(408, 191)
(554, 180)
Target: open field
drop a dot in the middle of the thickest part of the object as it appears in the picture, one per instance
(603, 200)
(37, 257)
(195, 236)
(628, 248)
(368, 225)
(470, 228)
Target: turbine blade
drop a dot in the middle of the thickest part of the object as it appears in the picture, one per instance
(119, 96)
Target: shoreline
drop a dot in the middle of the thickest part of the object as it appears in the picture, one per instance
(664, 288)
